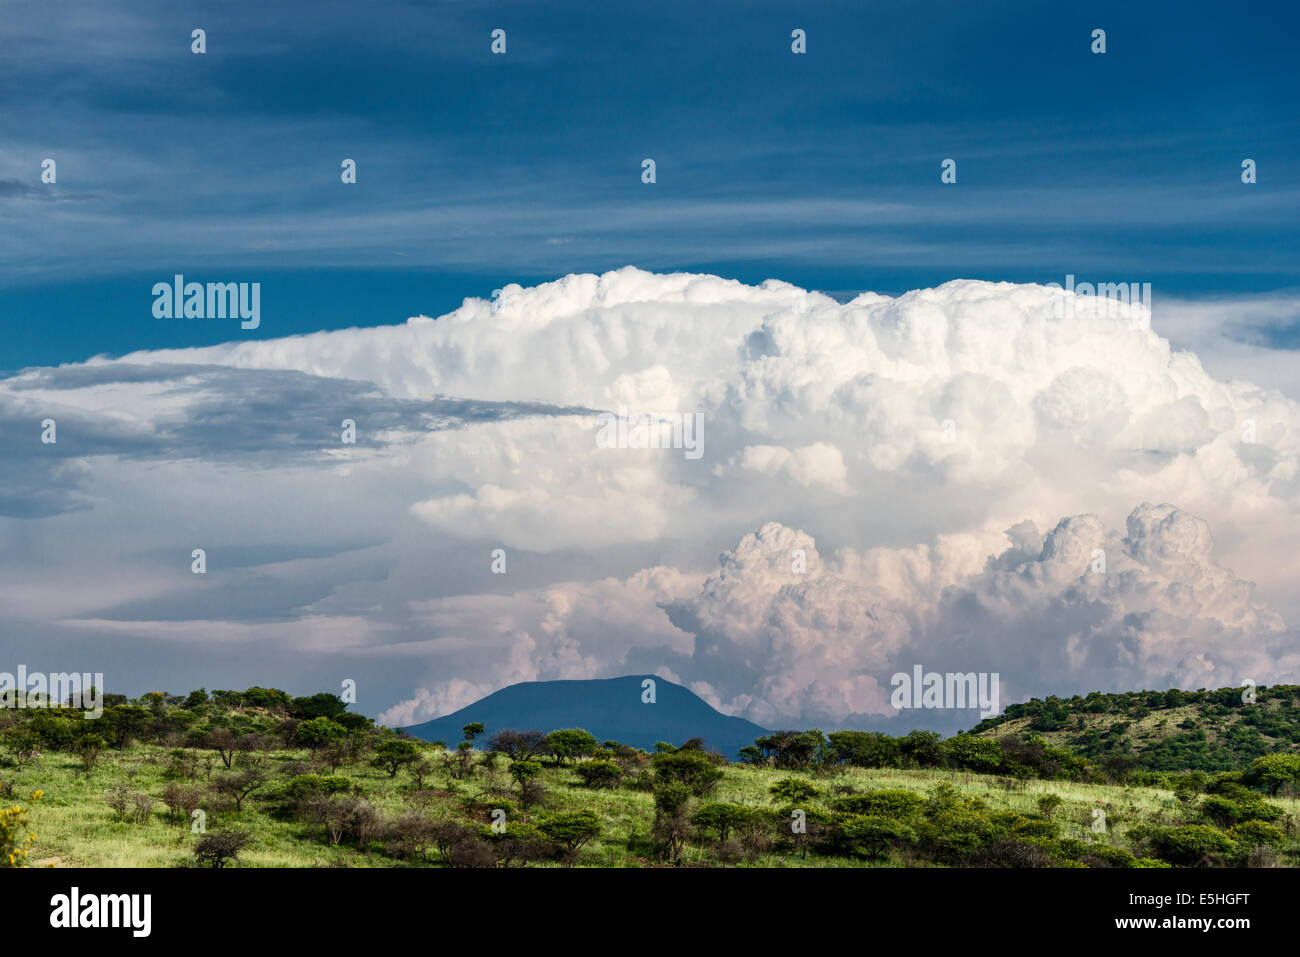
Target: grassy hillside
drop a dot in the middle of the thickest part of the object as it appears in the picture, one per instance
(1162, 730)
(256, 778)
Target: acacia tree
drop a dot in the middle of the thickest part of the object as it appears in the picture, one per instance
(572, 829)
(570, 744)
(240, 784)
(672, 819)
(473, 730)
(318, 733)
(1274, 770)
(517, 745)
(393, 753)
(219, 848)
(224, 742)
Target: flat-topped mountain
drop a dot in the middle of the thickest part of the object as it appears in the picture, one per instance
(609, 708)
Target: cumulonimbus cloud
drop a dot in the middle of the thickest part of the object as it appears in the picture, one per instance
(946, 459)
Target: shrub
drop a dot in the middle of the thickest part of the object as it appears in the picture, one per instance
(409, 836)
(572, 829)
(719, 819)
(794, 791)
(393, 754)
(898, 803)
(1048, 803)
(15, 837)
(302, 787)
(949, 833)
(1103, 855)
(217, 849)
(672, 819)
(872, 833)
(471, 852)
(142, 804)
(181, 801)
(1272, 771)
(569, 744)
(1250, 834)
(692, 768)
(119, 799)
(1192, 845)
(1006, 852)
(599, 774)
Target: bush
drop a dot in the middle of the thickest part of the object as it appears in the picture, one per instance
(672, 819)
(1007, 852)
(15, 836)
(1272, 771)
(1193, 845)
(1225, 811)
(872, 833)
(572, 829)
(119, 799)
(1250, 834)
(693, 769)
(569, 744)
(599, 774)
(719, 820)
(898, 803)
(181, 801)
(471, 852)
(301, 787)
(794, 791)
(409, 836)
(1048, 803)
(217, 849)
(1103, 855)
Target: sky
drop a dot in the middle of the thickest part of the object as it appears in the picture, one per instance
(774, 172)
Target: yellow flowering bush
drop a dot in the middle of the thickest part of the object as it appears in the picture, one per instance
(15, 836)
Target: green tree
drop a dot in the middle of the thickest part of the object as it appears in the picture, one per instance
(220, 848)
(599, 774)
(318, 733)
(672, 819)
(720, 818)
(570, 744)
(794, 791)
(1272, 771)
(322, 705)
(694, 769)
(572, 829)
(392, 753)
(873, 833)
(125, 722)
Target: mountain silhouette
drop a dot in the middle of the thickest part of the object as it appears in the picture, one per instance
(612, 709)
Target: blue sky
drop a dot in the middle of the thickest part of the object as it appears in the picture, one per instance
(476, 170)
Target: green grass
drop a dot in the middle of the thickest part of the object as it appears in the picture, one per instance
(76, 827)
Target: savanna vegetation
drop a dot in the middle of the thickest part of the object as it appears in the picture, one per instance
(260, 778)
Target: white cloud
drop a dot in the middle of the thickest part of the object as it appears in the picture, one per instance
(904, 436)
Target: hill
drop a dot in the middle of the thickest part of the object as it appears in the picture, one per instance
(609, 708)
(1161, 730)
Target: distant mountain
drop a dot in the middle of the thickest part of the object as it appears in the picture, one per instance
(610, 708)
